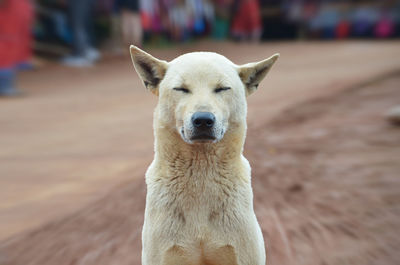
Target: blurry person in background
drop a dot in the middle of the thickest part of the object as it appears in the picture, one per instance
(132, 32)
(343, 26)
(202, 15)
(386, 24)
(16, 17)
(363, 20)
(222, 18)
(246, 24)
(327, 20)
(396, 18)
(179, 19)
(117, 46)
(80, 14)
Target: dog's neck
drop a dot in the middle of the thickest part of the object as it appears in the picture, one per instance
(172, 152)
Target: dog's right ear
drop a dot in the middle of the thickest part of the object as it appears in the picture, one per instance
(150, 69)
(253, 73)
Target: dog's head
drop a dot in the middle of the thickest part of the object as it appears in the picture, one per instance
(202, 95)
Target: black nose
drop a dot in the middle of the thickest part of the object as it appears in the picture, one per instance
(203, 120)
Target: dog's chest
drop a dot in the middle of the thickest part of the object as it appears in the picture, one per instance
(211, 200)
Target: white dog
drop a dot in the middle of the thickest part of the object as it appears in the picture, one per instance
(199, 206)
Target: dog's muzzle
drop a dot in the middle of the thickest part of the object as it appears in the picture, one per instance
(203, 126)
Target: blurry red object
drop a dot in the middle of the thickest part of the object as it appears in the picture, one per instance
(343, 30)
(146, 20)
(247, 19)
(16, 17)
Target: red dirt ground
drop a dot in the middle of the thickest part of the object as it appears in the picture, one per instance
(325, 162)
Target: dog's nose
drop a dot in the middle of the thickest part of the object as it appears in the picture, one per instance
(203, 120)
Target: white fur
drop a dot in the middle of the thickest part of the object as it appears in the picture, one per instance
(199, 206)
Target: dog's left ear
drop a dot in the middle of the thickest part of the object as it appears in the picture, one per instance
(150, 69)
(253, 73)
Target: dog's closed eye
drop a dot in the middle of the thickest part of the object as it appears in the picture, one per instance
(220, 89)
(182, 89)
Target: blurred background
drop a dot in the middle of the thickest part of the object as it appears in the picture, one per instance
(76, 124)
(76, 30)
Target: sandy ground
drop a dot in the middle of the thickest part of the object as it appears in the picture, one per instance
(325, 164)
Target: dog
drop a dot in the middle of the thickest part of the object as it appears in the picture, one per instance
(199, 204)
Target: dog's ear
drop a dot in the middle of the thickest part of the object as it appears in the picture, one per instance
(150, 69)
(253, 73)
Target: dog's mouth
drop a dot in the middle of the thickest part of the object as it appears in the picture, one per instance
(202, 138)
(198, 137)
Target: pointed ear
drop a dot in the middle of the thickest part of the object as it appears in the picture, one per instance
(150, 69)
(253, 73)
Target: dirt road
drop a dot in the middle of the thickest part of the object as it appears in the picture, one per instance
(80, 134)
